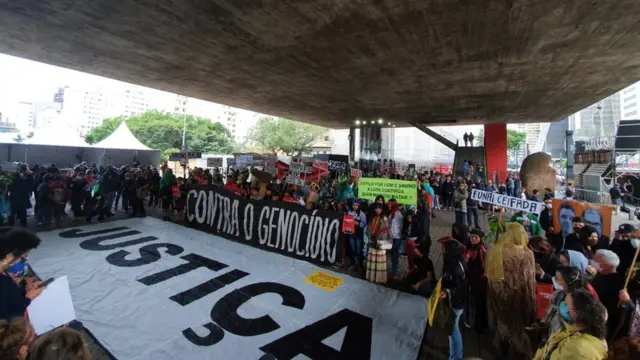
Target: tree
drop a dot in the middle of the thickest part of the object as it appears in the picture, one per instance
(478, 140)
(166, 154)
(163, 131)
(275, 135)
(18, 138)
(515, 140)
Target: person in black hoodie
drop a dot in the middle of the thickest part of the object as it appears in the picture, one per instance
(454, 292)
(15, 297)
(573, 242)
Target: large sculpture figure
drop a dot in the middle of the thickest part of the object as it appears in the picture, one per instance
(537, 173)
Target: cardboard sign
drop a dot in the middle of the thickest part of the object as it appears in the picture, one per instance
(324, 281)
(405, 192)
(296, 170)
(508, 202)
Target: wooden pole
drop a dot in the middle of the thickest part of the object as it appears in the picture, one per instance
(633, 264)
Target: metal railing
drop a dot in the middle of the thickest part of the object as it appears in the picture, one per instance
(591, 196)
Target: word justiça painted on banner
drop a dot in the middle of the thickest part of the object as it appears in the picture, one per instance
(285, 228)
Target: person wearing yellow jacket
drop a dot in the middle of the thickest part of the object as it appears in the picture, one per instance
(583, 337)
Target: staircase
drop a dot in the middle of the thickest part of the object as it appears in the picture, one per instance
(475, 155)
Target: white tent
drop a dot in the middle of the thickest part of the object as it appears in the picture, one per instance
(122, 139)
(56, 136)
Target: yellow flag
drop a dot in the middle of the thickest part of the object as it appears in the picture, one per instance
(433, 302)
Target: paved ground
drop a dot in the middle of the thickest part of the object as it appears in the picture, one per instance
(435, 345)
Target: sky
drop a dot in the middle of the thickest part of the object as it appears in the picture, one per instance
(26, 80)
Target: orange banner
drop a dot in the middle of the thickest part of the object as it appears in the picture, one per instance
(598, 216)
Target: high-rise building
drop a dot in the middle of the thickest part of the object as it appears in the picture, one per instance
(83, 109)
(630, 102)
(597, 120)
(23, 117)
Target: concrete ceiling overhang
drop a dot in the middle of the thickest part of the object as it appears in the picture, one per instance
(329, 62)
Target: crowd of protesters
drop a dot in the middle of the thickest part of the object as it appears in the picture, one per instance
(593, 314)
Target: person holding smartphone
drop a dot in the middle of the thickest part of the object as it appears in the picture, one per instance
(15, 245)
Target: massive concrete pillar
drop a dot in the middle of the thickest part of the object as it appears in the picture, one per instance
(495, 145)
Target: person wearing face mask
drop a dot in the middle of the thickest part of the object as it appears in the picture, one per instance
(629, 321)
(583, 337)
(546, 216)
(608, 284)
(624, 244)
(547, 261)
(15, 245)
(566, 280)
(572, 241)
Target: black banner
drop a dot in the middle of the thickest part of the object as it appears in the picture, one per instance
(280, 227)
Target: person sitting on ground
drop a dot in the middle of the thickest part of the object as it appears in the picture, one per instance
(608, 284)
(15, 245)
(584, 337)
(60, 344)
(16, 337)
(547, 261)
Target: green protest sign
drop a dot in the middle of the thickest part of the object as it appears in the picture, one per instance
(405, 192)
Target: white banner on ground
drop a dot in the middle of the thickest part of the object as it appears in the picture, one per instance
(149, 289)
(509, 202)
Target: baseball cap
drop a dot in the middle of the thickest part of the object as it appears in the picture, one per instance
(626, 229)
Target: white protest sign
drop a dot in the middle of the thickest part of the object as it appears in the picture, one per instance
(295, 170)
(509, 202)
(213, 162)
(53, 308)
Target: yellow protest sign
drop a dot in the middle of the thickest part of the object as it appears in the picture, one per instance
(324, 281)
(405, 192)
(433, 302)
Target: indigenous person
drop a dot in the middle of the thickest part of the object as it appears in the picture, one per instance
(511, 273)
(378, 234)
